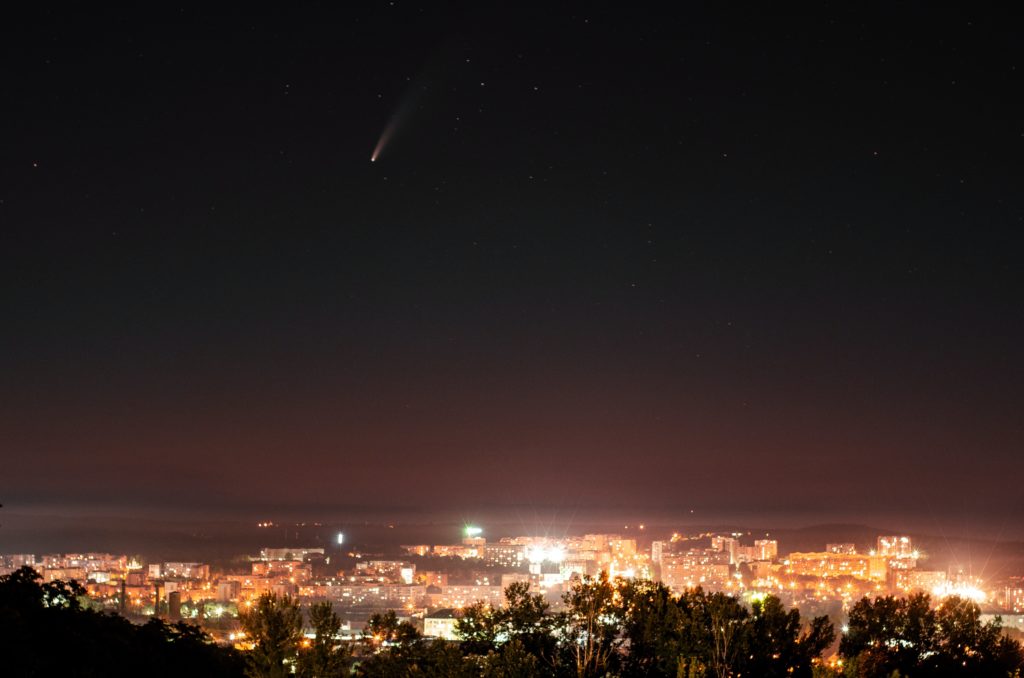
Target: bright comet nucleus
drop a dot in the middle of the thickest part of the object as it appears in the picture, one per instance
(385, 137)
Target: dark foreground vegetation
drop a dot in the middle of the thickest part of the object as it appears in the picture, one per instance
(47, 630)
(621, 628)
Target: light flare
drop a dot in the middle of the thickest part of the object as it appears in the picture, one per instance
(961, 590)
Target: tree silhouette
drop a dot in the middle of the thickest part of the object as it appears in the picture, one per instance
(477, 628)
(652, 624)
(525, 618)
(774, 644)
(512, 661)
(325, 657)
(627, 628)
(274, 625)
(906, 635)
(46, 631)
(385, 628)
(725, 623)
(427, 658)
(589, 626)
(522, 626)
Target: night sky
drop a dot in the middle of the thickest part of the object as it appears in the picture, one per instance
(729, 262)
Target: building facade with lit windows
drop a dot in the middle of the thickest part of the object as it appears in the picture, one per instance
(698, 567)
(825, 564)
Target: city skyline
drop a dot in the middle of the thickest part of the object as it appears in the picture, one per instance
(472, 564)
(845, 601)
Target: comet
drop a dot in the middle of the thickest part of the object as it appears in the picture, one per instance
(409, 103)
(389, 130)
(385, 137)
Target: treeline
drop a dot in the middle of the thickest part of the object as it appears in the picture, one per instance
(908, 637)
(607, 628)
(620, 628)
(47, 629)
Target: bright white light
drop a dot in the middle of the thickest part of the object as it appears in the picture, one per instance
(962, 590)
(472, 531)
(340, 538)
(540, 554)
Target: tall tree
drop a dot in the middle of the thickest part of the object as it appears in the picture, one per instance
(872, 626)
(477, 628)
(326, 657)
(589, 626)
(274, 625)
(774, 644)
(525, 618)
(652, 628)
(385, 627)
(726, 621)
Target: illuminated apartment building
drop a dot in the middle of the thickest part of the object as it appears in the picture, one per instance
(697, 567)
(824, 564)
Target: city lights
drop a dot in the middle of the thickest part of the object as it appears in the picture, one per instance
(545, 553)
(961, 590)
(426, 580)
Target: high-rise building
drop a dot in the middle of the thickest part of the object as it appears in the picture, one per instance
(504, 554)
(622, 548)
(228, 590)
(837, 565)
(766, 549)
(895, 547)
(185, 570)
(657, 549)
(697, 567)
(174, 605)
(729, 545)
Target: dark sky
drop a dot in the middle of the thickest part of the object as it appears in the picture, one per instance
(758, 262)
